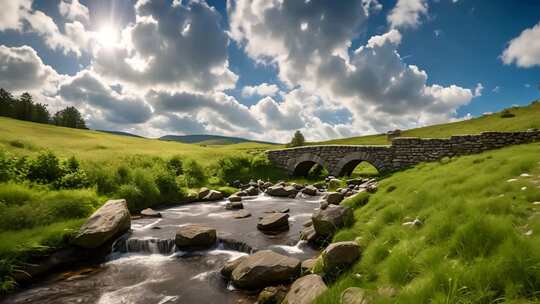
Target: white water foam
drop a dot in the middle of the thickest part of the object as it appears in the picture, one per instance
(202, 276)
(299, 216)
(296, 249)
(137, 227)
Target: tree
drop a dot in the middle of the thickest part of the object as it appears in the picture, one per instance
(23, 107)
(6, 103)
(297, 140)
(69, 117)
(40, 113)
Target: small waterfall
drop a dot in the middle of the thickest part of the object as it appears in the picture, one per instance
(128, 244)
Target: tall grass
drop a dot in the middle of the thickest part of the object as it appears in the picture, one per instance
(479, 241)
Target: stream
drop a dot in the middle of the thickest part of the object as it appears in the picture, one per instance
(145, 266)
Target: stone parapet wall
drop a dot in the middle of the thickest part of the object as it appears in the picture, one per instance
(404, 151)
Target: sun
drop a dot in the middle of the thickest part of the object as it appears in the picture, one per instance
(107, 35)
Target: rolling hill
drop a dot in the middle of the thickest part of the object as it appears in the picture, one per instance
(206, 139)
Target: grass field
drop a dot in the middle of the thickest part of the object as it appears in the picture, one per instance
(525, 118)
(479, 241)
(27, 138)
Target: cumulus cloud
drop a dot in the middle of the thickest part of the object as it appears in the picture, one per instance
(87, 89)
(173, 46)
(216, 109)
(372, 82)
(18, 15)
(21, 69)
(73, 10)
(407, 13)
(12, 12)
(478, 90)
(524, 50)
(263, 89)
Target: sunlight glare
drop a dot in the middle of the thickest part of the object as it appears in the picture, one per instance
(107, 36)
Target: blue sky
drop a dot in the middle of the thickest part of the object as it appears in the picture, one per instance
(265, 69)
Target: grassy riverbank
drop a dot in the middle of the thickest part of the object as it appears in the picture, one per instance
(479, 241)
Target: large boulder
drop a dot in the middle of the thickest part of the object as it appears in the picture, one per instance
(305, 290)
(310, 190)
(339, 255)
(193, 236)
(265, 268)
(333, 198)
(307, 265)
(229, 266)
(355, 295)
(281, 191)
(149, 212)
(107, 223)
(274, 222)
(272, 295)
(213, 195)
(327, 221)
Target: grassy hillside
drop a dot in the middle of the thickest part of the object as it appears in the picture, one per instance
(478, 241)
(24, 138)
(525, 118)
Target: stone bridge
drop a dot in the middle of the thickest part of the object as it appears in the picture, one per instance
(340, 160)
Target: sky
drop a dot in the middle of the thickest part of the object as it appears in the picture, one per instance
(262, 69)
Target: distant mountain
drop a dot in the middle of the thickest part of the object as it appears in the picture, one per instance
(206, 139)
(120, 133)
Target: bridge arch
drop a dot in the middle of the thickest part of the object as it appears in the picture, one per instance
(301, 165)
(346, 165)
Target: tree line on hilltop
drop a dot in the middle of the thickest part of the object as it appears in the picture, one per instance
(25, 108)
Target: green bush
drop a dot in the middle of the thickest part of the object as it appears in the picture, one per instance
(194, 174)
(174, 164)
(72, 164)
(74, 180)
(507, 114)
(104, 179)
(45, 168)
(123, 175)
(168, 188)
(7, 171)
(133, 197)
(233, 168)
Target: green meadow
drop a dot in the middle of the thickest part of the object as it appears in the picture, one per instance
(478, 240)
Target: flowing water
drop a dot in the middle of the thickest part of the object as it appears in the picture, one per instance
(145, 266)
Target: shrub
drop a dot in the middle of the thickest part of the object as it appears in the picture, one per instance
(174, 164)
(72, 164)
(233, 168)
(6, 167)
(70, 204)
(45, 168)
(193, 174)
(103, 178)
(123, 175)
(507, 114)
(132, 195)
(74, 180)
(168, 188)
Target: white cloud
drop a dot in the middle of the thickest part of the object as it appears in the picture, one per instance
(373, 82)
(496, 89)
(11, 13)
(407, 13)
(89, 90)
(73, 10)
(478, 90)
(263, 89)
(21, 69)
(173, 47)
(524, 50)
